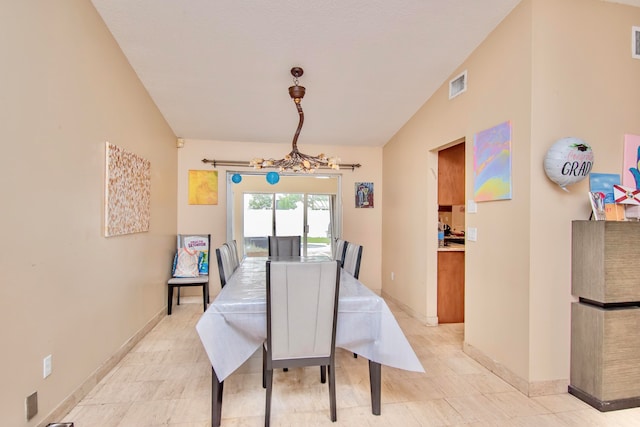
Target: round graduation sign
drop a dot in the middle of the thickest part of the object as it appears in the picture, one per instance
(568, 161)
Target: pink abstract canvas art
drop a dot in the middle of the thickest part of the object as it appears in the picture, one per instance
(492, 163)
(630, 174)
(630, 169)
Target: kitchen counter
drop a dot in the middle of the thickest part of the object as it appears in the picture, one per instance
(452, 247)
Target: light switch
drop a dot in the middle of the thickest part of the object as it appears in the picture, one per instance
(47, 366)
(472, 234)
(472, 207)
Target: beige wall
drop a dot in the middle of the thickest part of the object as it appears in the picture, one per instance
(498, 91)
(359, 225)
(584, 85)
(555, 68)
(67, 290)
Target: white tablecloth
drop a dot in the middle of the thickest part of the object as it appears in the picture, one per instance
(234, 325)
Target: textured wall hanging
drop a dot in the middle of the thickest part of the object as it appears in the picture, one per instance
(127, 192)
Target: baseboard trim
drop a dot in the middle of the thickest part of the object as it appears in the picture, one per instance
(604, 405)
(406, 308)
(96, 376)
(530, 389)
(432, 321)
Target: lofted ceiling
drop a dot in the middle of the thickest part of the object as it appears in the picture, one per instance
(220, 69)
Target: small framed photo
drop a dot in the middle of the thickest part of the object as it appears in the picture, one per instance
(364, 195)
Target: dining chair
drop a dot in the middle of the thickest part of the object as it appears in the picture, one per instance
(302, 311)
(190, 267)
(233, 247)
(284, 245)
(340, 248)
(351, 262)
(352, 257)
(225, 263)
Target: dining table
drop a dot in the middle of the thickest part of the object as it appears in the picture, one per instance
(234, 326)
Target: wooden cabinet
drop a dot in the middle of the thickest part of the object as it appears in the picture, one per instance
(605, 344)
(451, 176)
(604, 259)
(450, 287)
(605, 356)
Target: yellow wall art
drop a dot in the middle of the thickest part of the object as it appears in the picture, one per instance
(203, 187)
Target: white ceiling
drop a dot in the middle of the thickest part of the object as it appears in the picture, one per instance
(220, 69)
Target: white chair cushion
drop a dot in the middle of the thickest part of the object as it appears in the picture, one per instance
(186, 280)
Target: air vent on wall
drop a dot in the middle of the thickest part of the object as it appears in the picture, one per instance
(458, 85)
(635, 42)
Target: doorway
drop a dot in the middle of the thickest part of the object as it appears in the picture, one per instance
(451, 214)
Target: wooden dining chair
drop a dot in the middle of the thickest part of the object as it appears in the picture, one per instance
(284, 245)
(225, 264)
(196, 248)
(302, 311)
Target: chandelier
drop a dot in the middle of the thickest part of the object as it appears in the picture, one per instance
(296, 161)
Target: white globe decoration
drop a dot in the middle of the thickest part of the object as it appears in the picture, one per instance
(568, 161)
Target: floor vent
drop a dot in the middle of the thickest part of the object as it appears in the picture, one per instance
(458, 85)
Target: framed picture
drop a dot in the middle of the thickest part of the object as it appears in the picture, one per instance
(603, 183)
(364, 195)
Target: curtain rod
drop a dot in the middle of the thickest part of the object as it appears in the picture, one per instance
(243, 164)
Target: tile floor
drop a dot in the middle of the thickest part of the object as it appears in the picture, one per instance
(165, 381)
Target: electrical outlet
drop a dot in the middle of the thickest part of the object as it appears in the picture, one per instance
(31, 405)
(47, 366)
(393, 276)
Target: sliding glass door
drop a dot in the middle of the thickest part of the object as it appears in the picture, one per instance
(287, 214)
(257, 223)
(319, 228)
(299, 205)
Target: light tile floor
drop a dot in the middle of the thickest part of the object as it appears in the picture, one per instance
(166, 380)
